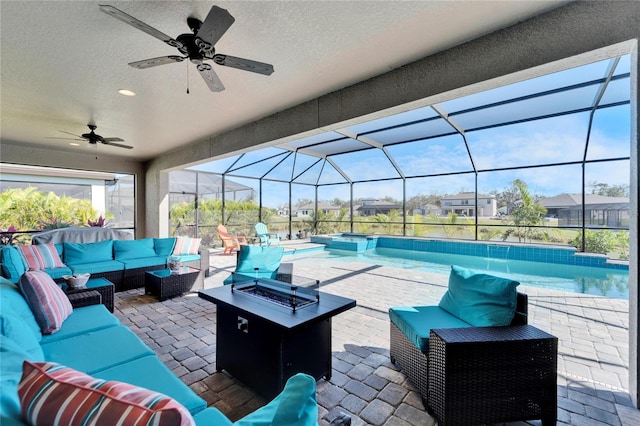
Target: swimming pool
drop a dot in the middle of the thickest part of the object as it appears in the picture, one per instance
(608, 282)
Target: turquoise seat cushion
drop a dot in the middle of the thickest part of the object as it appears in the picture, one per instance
(133, 249)
(97, 267)
(211, 416)
(76, 253)
(12, 264)
(12, 302)
(12, 356)
(265, 259)
(295, 405)
(144, 262)
(150, 373)
(17, 330)
(57, 273)
(97, 350)
(480, 299)
(164, 246)
(83, 320)
(415, 322)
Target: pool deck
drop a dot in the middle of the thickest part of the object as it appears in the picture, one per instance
(592, 351)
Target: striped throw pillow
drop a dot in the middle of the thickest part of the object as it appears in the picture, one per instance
(48, 303)
(53, 394)
(40, 256)
(186, 246)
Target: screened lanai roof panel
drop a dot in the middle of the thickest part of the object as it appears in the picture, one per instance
(365, 165)
(309, 175)
(422, 130)
(551, 141)
(594, 71)
(393, 120)
(312, 140)
(336, 147)
(617, 91)
(555, 103)
(432, 156)
(259, 167)
(610, 134)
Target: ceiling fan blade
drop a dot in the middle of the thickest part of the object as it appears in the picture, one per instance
(243, 64)
(210, 77)
(128, 19)
(66, 139)
(69, 133)
(154, 62)
(213, 28)
(119, 145)
(112, 140)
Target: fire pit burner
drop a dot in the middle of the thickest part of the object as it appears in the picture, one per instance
(290, 296)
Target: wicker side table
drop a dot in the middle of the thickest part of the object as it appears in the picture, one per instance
(84, 298)
(101, 285)
(166, 283)
(492, 374)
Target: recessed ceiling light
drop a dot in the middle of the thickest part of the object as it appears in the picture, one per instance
(126, 92)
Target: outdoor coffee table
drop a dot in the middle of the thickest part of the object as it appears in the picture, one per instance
(101, 285)
(166, 283)
(263, 342)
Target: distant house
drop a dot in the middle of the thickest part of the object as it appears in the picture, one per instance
(427, 210)
(307, 210)
(464, 204)
(374, 207)
(600, 210)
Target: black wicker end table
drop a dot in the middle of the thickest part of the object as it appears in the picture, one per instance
(166, 283)
(101, 285)
(492, 374)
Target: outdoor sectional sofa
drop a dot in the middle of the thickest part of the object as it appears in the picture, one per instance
(95, 356)
(122, 262)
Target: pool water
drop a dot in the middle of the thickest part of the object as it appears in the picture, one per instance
(610, 283)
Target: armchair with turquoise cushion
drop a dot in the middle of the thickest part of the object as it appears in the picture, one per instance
(265, 236)
(260, 262)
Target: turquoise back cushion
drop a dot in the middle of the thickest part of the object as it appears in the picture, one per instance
(133, 249)
(13, 303)
(12, 356)
(88, 252)
(164, 246)
(266, 259)
(17, 330)
(12, 264)
(480, 299)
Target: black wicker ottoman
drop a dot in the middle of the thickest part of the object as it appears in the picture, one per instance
(101, 285)
(492, 374)
(166, 283)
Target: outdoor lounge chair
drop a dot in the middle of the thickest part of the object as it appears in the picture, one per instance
(230, 242)
(260, 262)
(265, 236)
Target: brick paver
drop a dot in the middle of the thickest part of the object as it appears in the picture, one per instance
(592, 353)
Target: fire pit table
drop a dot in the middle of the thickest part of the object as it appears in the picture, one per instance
(267, 331)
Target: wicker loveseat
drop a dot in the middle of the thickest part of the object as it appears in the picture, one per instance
(411, 325)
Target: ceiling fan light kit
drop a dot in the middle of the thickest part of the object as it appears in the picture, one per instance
(197, 46)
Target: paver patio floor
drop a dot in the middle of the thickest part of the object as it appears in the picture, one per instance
(592, 353)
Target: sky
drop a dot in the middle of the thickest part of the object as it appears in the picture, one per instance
(545, 141)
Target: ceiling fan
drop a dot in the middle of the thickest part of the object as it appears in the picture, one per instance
(94, 138)
(197, 47)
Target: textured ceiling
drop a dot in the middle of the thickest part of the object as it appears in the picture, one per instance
(63, 62)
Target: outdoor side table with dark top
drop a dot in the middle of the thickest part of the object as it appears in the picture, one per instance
(84, 298)
(101, 285)
(492, 374)
(166, 283)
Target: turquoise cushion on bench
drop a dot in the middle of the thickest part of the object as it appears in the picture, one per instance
(164, 246)
(133, 249)
(150, 373)
(12, 356)
(97, 267)
(83, 320)
(75, 253)
(86, 352)
(56, 273)
(184, 258)
(144, 262)
(480, 299)
(416, 322)
(13, 302)
(12, 264)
